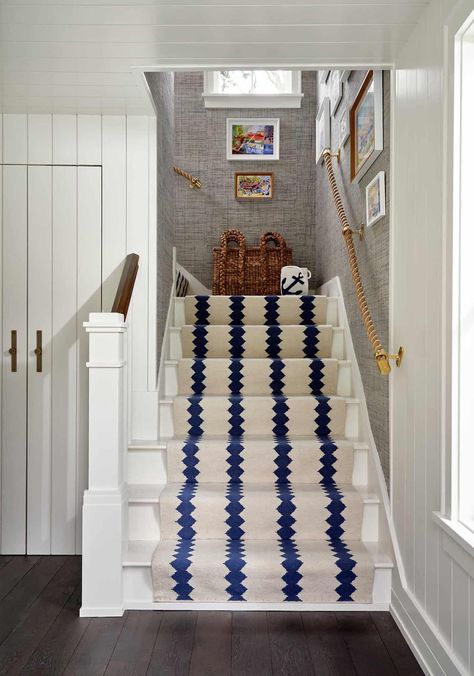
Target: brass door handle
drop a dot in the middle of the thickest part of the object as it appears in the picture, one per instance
(39, 351)
(13, 352)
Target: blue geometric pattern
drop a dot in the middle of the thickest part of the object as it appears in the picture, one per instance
(316, 367)
(181, 563)
(235, 421)
(200, 341)
(271, 310)
(197, 376)
(234, 460)
(235, 376)
(191, 460)
(237, 310)
(273, 341)
(346, 563)
(286, 509)
(202, 310)
(237, 341)
(235, 562)
(195, 419)
(277, 368)
(291, 563)
(311, 340)
(282, 459)
(322, 416)
(280, 418)
(307, 310)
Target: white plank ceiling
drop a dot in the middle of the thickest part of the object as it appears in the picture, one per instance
(79, 56)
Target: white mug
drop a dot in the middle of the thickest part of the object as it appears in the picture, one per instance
(294, 280)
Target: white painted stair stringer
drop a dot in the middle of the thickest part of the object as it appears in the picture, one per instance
(376, 480)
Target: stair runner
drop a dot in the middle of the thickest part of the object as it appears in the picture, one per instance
(259, 506)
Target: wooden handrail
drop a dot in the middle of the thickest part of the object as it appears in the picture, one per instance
(126, 284)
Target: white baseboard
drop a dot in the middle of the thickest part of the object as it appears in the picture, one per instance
(246, 606)
(427, 643)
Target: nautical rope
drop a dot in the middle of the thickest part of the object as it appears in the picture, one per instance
(380, 354)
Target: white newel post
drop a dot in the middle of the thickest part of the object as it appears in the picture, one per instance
(104, 513)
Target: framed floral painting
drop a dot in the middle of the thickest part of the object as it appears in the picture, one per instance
(253, 186)
(366, 124)
(253, 139)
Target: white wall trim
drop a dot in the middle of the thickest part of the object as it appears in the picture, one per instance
(426, 641)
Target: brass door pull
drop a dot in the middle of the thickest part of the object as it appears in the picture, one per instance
(13, 352)
(39, 351)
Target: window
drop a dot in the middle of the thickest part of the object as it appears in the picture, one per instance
(252, 89)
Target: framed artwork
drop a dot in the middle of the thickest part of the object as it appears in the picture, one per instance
(366, 124)
(253, 186)
(375, 199)
(253, 139)
(335, 89)
(344, 129)
(323, 129)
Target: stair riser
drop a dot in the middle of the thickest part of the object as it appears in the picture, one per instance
(138, 594)
(236, 310)
(146, 523)
(290, 460)
(223, 416)
(350, 430)
(218, 377)
(330, 345)
(149, 467)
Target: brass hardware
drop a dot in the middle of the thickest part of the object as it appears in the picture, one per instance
(336, 155)
(382, 359)
(38, 351)
(13, 352)
(193, 181)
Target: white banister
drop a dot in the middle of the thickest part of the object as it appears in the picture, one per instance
(104, 508)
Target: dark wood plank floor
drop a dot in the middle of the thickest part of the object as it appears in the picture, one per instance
(41, 633)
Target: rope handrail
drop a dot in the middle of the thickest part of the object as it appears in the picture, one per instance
(382, 358)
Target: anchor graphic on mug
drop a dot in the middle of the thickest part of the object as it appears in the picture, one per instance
(294, 280)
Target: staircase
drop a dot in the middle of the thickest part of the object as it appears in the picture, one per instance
(257, 494)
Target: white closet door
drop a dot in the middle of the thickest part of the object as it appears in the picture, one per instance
(65, 360)
(40, 249)
(14, 392)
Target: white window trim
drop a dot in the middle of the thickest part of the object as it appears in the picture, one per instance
(214, 100)
(457, 538)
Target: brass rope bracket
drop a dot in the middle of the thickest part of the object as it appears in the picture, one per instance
(193, 181)
(360, 231)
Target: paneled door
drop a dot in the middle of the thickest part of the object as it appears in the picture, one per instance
(51, 281)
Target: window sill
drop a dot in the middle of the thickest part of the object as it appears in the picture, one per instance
(252, 100)
(458, 542)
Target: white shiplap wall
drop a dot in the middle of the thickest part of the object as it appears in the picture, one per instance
(125, 148)
(436, 606)
(77, 55)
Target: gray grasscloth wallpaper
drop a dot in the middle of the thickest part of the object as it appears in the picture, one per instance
(200, 216)
(302, 210)
(373, 254)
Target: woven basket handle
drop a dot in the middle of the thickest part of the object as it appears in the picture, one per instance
(239, 238)
(280, 245)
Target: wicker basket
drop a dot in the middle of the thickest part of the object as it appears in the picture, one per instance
(249, 271)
